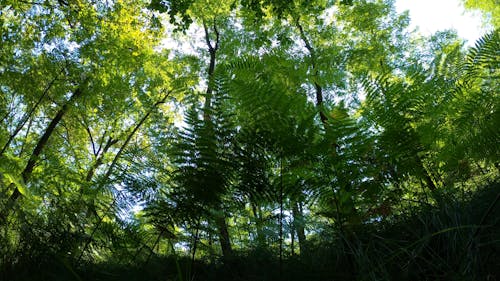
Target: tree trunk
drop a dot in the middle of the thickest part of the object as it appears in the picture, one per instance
(26, 174)
(213, 47)
(225, 242)
(261, 238)
(220, 220)
(298, 223)
(317, 86)
(212, 50)
(45, 137)
(194, 246)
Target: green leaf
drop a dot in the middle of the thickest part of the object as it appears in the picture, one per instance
(11, 179)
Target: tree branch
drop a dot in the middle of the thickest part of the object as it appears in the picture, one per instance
(28, 115)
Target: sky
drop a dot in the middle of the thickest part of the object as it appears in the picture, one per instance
(434, 15)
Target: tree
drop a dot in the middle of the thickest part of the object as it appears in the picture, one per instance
(489, 8)
(93, 74)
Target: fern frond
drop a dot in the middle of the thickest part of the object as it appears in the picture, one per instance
(484, 54)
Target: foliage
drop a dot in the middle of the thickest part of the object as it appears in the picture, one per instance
(489, 8)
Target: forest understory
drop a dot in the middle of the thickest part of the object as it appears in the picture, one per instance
(456, 241)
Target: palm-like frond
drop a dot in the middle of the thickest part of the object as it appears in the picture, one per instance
(474, 111)
(447, 115)
(484, 55)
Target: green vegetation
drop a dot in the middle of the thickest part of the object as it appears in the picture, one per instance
(245, 140)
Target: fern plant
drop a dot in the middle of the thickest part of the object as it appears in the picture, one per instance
(474, 112)
(439, 118)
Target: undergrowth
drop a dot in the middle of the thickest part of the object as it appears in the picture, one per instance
(458, 240)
